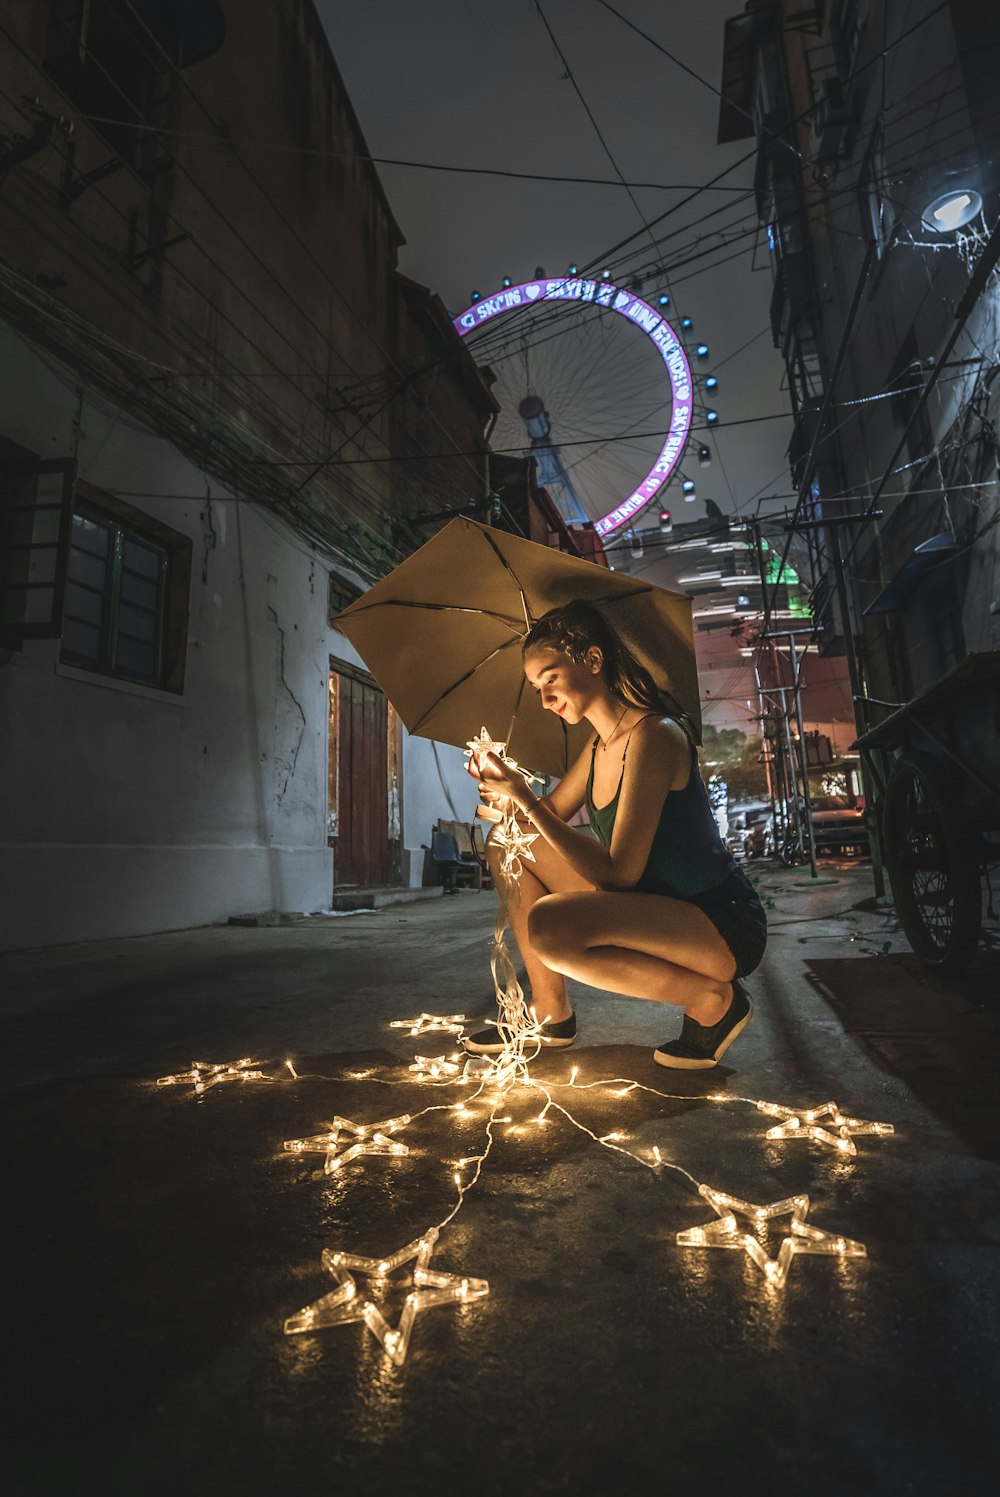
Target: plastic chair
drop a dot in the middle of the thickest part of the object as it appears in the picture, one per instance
(453, 869)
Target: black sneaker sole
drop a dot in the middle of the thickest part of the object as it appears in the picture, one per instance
(475, 1046)
(703, 1063)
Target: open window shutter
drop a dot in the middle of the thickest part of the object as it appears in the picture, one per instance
(36, 514)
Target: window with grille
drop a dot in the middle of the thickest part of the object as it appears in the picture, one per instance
(115, 608)
(82, 566)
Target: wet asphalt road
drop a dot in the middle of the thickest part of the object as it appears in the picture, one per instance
(156, 1242)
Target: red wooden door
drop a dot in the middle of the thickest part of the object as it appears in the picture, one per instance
(359, 771)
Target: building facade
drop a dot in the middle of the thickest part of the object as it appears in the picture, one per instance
(878, 167)
(210, 370)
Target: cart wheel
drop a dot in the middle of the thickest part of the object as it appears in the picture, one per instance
(932, 864)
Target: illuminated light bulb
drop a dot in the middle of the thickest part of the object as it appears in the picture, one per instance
(656, 1155)
(803, 1237)
(664, 300)
(457, 1179)
(819, 1123)
(295, 1074)
(711, 417)
(205, 1073)
(574, 1073)
(432, 1024)
(431, 1287)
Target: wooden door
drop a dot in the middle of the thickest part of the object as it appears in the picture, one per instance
(359, 775)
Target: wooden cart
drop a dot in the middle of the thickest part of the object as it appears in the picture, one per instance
(934, 764)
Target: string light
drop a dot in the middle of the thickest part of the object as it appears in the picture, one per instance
(818, 1124)
(802, 1236)
(344, 1305)
(432, 1024)
(369, 1138)
(494, 1079)
(204, 1074)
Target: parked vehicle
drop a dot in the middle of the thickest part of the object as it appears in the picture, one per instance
(747, 830)
(838, 827)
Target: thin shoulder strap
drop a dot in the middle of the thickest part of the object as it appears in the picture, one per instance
(632, 729)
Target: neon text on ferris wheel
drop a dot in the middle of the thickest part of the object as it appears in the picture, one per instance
(660, 334)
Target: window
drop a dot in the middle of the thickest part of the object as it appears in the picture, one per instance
(125, 605)
(36, 506)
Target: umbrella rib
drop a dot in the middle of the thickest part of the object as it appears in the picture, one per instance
(462, 680)
(487, 613)
(506, 564)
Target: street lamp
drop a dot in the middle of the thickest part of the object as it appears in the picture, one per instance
(952, 210)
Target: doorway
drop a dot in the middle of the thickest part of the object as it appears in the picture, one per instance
(358, 825)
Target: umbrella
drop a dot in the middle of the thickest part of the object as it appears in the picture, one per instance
(442, 636)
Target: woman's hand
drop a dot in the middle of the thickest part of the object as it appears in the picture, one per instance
(498, 783)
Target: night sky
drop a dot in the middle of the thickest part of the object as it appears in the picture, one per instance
(470, 84)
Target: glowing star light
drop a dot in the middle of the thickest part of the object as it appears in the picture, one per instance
(825, 1125)
(480, 748)
(345, 1305)
(369, 1138)
(515, 843)
(204, 1073)
(802, 1238)
(432, 1024)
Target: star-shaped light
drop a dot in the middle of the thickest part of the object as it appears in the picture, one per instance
(369, 1138)
(434, 1066)
(432, 1024)
(479, 748)
(515, 843)
(204, 1073)
(825, 1124)
(345, 1304)
(802, 1237)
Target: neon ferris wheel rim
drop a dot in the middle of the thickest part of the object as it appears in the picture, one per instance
(659, 332)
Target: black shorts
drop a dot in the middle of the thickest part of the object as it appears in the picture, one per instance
(738, 916)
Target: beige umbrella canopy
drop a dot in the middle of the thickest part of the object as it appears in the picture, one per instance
(442, 637)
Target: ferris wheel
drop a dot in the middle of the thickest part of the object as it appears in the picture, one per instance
(594, 382)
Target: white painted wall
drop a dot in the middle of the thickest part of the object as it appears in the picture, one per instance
(125, 810)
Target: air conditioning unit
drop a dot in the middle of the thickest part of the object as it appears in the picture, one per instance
(832, 121)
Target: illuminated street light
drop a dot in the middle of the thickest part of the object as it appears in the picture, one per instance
(952, 210)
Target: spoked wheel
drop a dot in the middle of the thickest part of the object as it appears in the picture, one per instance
(932, 864)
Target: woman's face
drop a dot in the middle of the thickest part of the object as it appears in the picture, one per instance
(564, 686)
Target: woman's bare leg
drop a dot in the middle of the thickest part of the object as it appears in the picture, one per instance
(641, 945)
(548, 874)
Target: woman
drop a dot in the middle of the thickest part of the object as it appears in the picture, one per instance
(654, 906)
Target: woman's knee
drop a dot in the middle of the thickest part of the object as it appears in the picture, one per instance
(555, 925)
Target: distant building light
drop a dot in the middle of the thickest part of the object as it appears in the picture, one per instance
(742, 601)
(952, 210)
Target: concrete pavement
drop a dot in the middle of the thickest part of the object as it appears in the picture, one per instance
(157, 1241)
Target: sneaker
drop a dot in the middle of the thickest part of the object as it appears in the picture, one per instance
(553, 1037)
(701, 1046)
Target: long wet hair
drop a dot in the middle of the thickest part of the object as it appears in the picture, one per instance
(574, 628)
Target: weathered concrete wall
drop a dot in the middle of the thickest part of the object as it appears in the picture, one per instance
(129, 809)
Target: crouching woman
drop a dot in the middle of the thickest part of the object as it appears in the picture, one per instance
(653, 906)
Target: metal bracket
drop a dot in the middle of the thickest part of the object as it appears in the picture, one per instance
(135, 259)
(75, 186)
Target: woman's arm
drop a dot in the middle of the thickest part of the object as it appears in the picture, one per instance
(658, 761)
